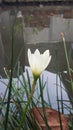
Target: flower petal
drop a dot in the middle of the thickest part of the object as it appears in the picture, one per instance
(36, 53)
(46, 59)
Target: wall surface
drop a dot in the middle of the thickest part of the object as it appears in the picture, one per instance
(37, 25)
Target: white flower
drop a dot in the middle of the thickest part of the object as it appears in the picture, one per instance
(19, 14)
(38, 62)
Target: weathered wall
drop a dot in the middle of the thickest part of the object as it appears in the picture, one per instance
(47, 32)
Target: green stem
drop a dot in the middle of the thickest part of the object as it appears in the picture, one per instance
(57, 74)
(10, 84)
(68, 65)
(26, 107)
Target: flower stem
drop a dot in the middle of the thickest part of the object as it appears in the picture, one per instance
(26, 107)
(67, 60)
